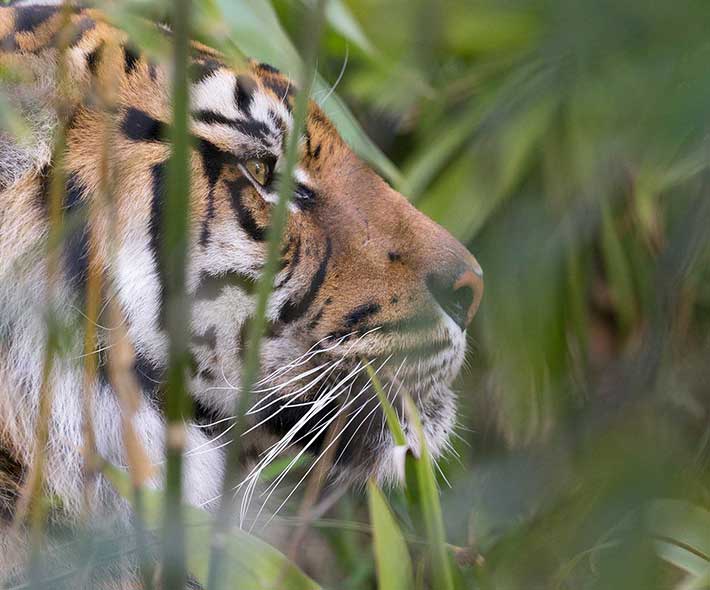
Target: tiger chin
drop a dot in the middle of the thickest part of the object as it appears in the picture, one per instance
(366, 281)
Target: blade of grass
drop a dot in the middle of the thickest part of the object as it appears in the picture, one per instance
(175, 215)
(393, 564)
(682, 534)
(420, 476)
(257, 325)
(429, 503)
(393, 422)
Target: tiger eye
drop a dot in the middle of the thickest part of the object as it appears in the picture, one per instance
(259, 170)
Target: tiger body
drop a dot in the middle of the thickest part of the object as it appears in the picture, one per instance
(365, 278)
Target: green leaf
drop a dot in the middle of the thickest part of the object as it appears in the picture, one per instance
(340, 17)
(429, 504)
(700, 581)
(437, 154)
(681, 534)
(394, 566)
(391, 416)
(420, 474)
(251, 562)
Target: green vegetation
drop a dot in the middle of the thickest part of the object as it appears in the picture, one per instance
(566, 143)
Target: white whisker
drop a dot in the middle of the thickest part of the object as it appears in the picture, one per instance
(339, 78)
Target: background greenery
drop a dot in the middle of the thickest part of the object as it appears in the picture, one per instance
(566, 143)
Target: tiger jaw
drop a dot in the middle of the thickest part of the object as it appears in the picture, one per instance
(328, 387)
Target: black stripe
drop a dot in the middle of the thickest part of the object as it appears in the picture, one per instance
(205, 416)
(212, 162)
(150, 377)
(295, 259)
(140, 126)
(76, 243)
(281, 87)
(278, 121)
(208, 339)
(159, 179)
(243, 92)
(12, 478)
(268, 68)
(283, 420)
(85, 24)
(94, 59)
(131, 57)
(291, 311)
(255, 129)
(193, 584)
(316, 319)
(202, 69)
(244, 215)
(361, 313)
(28, 18)
(213, 118)
(45, 182)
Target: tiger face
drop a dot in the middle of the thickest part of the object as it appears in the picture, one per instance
(366, 281)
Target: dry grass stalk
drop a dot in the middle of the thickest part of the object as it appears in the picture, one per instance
(120, 362)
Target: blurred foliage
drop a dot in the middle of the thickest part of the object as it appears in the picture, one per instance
(565, 141)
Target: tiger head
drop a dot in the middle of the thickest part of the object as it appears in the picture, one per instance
(366, 280)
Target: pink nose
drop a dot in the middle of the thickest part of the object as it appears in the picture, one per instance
(469, 287)
(459, 295)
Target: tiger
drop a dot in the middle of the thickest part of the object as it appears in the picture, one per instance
(365, 279)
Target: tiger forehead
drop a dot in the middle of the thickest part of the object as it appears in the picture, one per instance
(264, 95)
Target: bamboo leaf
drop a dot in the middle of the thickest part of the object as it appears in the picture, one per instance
(340, 17)
(394, 566)
(683, 534)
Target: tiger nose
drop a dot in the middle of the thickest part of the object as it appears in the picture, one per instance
(458, 293)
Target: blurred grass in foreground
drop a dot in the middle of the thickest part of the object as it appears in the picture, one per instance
(565, 141)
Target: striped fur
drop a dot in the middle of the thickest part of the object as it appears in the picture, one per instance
(355, 283)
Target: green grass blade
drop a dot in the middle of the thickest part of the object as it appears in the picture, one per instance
(682, 534)
(342, 20)
(393, 564)
(390, 414)
(422, 489)
(257, 325)
(429, 504)
(175, 233)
